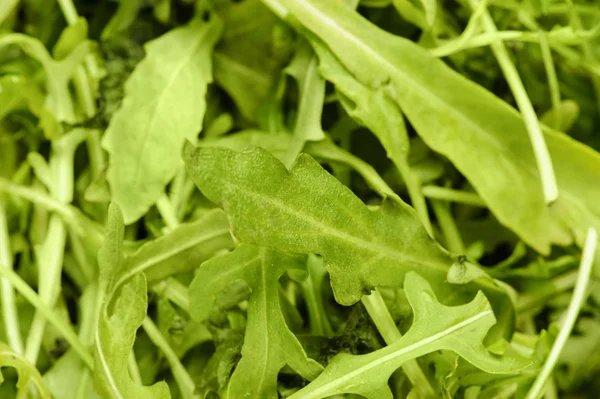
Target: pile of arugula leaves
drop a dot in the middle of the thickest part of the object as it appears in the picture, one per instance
(299, 198)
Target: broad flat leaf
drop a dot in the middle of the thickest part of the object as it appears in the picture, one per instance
(164, 104)
(182, 249)
(460, 329)
(65, 376)
(58, 73)
(28, 374)
(268, 343)
(249, 58)
(453, 116)
(119, 321)
(306, 210)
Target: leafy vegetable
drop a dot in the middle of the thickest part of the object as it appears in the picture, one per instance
(460, 329)
(299, 199)
(163, 105)
(268, 344)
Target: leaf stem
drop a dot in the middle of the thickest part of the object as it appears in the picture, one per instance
(167, 212)
(175, 292)
(64, 329)
(552, 79)
(9, 308)
(384, 322)
(184, 380)
(451, 195)
(446, 222)
(82, 86)
(540, 150)
(133, 369)
(578, 299)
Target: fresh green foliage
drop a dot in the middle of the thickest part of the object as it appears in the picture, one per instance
(119, 321)
(268, 343)
(165, 93)
(299, 199)
(460, 329)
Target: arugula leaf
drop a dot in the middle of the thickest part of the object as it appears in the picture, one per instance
(268, 343)
(306, 210)
(454, 115)
(251, 54)
(58, 73)
(164, 104)
(181, 250)
(28, 374)
(435, 327)
(118, 323)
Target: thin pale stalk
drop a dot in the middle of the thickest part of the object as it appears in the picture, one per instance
(552, 79)
(57, 322)
(577, 301)
(536, 137)
(182, 377)
(446, 222)
(451, 195)
(9, 307)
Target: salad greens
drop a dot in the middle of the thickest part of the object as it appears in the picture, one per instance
(299, 198)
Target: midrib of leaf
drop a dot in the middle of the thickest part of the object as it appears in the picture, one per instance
(369, 246)
(422, 89)
(265, 298)
(167, 254)
(393, 355)
(156, 104)
(107, 371)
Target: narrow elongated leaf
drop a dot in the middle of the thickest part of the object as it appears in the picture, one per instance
(164, 104)
(182, 249)
(460, 329)
(117, 324)
(454, 116)
(311, 87)
(268, 343)
(307, 210)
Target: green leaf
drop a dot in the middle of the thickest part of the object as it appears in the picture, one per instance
(182, 249)
(306, 210)
(460, 329)
(119, 321)
(311, 88)
(268, 343)
(28, 374)
(164, 104)
(251, 54)
(453, 116)
(58, 73)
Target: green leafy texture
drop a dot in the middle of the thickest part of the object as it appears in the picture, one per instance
(180, 250)
(19, 92)
(119, 321)
(460, 329)
(58, 73)
(454, 115)
(66, 376)
(311, 88)
(306, 210)
(249, 58)
(27, 373)
(268, 343)
(164, 104)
